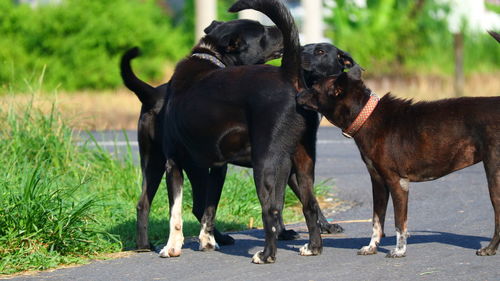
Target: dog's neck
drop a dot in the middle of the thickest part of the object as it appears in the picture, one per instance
(205, 50)
(362, 116)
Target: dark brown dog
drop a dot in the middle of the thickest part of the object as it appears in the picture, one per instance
(402, 142)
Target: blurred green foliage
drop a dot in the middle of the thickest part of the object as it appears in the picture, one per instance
(406, 36)
(80, 42)
(77, 44)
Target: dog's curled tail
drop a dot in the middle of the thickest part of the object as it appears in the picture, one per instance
(280, 15)
(145, 92)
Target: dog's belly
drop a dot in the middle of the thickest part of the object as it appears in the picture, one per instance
(219, 145)
(443, 161)
(234, 146)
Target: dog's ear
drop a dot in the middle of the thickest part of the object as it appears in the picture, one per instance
(345, 60)
(212, 26)
(330, 85)
(308, 99)
(233, 43)
(355, 73)
(339, 84)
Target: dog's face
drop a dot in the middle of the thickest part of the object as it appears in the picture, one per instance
(322, 60)
(335, 96)
(245, 42)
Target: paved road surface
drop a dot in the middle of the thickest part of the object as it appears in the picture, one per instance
(449, 219)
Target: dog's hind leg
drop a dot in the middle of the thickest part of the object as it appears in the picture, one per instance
(400, 202)
(289, 234)
(153, 168)
(492, 168)
(326, 227)
(380, 199)
(199, 178)
(303, 162)
(175, 180)
(270, 175)
(215, 183)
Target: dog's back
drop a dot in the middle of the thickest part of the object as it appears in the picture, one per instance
(455, 132)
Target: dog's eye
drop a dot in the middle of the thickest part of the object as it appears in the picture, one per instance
(319, 52)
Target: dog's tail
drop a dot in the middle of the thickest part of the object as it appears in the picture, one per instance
(145, 92)
(280, 15)
(495, 35)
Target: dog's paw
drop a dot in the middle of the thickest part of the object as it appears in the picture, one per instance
(395, 253)
(209, 246)
(259, 258)
(331, 228)
(486, 252)
(170, 252)
(207, 241)
(173, 247)
(367, 250)
(288, 235)
(307, 250)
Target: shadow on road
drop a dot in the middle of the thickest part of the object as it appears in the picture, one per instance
(246, 247)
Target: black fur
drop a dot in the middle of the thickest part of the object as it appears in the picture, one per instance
(247, 116)
(322, 60)
(149, 138)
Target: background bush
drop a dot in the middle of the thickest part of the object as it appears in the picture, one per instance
(81, 42)
(407, 37)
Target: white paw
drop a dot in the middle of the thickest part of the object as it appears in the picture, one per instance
(168, 252)
(305, 251)
(256, 258)
(209, 246)
(395, 253)
(367, 250)
(172, 249)
(207, 242)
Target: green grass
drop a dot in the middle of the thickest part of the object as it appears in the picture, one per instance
(62, 203)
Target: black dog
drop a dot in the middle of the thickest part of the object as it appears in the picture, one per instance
(319, 60)
(228, 36)
(150, 135)
(402, 142)
(322, 60)
(247, 116)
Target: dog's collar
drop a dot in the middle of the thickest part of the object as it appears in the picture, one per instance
(362, 116)
(209, 58)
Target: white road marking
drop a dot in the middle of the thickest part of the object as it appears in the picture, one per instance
(135, 143)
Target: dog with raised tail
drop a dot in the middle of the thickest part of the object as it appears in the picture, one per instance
(243, 115)
(402, 142)
(319, 60)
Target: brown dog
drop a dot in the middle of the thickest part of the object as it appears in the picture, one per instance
(402, 142)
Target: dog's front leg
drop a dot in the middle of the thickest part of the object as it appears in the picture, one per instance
(399, 193)
(175, 180)
(380, 195)
(216, 181)
(493, 176)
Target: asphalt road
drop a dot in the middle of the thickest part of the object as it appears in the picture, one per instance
(449, 219)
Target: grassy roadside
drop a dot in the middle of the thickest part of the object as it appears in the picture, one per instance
(63, 203)
(119, 109)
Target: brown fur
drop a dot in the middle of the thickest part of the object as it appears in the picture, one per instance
(404, 141)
